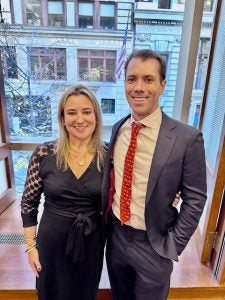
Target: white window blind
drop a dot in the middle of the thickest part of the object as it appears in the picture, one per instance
(55, 7)
(107, 10)
(85, 9)
(215, 104)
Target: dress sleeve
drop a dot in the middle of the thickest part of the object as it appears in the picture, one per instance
(32, 190)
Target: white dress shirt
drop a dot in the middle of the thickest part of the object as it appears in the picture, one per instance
(146, 142)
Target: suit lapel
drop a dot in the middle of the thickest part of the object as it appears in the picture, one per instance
(108, 165)
(164, 145)
(109, 155)
(116, 128)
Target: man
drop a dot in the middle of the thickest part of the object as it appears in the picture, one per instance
(169, 157)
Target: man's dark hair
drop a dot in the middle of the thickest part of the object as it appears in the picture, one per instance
(145, 54)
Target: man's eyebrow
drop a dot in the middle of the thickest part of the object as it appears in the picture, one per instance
(149, 75)
(146, 75)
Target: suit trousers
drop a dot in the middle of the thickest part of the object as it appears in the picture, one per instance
(136, 270)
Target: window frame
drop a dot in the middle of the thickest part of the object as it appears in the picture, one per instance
(114, 18)
(5, 62)
(26, 15)
(96, 14)
(40, 56)
(77, 16)
(202, 63)
(166, 3)
(89, 58)
(63, 14)
(111, 102)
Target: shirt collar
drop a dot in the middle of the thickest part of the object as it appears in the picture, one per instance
(153, 120)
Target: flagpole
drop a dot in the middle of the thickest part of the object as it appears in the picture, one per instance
(122, 56)
(134, 25)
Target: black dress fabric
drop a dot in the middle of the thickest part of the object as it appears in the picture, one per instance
(69, 240)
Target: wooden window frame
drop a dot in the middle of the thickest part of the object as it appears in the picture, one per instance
(9, 195)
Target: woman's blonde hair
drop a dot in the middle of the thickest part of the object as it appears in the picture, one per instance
(95, 145)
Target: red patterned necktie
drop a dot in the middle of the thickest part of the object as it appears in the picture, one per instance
(125, 196)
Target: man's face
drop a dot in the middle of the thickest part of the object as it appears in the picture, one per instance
(143, 86)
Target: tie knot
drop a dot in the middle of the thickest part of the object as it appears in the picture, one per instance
(136, 127)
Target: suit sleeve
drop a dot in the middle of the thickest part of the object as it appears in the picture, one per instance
(193, 192)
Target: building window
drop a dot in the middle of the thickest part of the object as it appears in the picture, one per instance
(55, 13)
(9, 64)
(86, 12)
(29, 115)
(107, 16)
(33, 12)
(202, 62)
(96, 14)
(48, 63)
(96, 65)
(164, 4)
(197, 115)
(208, 5)
(166, 58)
(108, 106)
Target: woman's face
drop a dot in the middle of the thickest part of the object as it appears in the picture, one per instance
(79, 117)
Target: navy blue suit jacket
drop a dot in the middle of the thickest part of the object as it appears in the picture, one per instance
(178, 165)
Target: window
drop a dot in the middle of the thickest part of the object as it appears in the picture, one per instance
(9, 64)
(48, 63)
(166, 58)
(202, 62)
(208, 5)
(164, 4)
(107, 16)
(94, 14)
(55, 13)
(89, 14)
(197, 115)
(29, 115)
(86, 12)
(36, 9)
(108, 106)
(96, 65)
(33, 12)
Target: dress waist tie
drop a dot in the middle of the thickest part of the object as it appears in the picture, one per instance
(82, 226)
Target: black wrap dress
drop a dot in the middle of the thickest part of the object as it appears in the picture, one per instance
(69, 240)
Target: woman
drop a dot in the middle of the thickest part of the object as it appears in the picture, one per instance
(66, 256)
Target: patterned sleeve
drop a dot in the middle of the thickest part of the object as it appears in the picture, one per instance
(32, 190)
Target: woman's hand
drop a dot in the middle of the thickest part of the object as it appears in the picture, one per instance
(31, 249)
(33, 259)
(176, 200)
